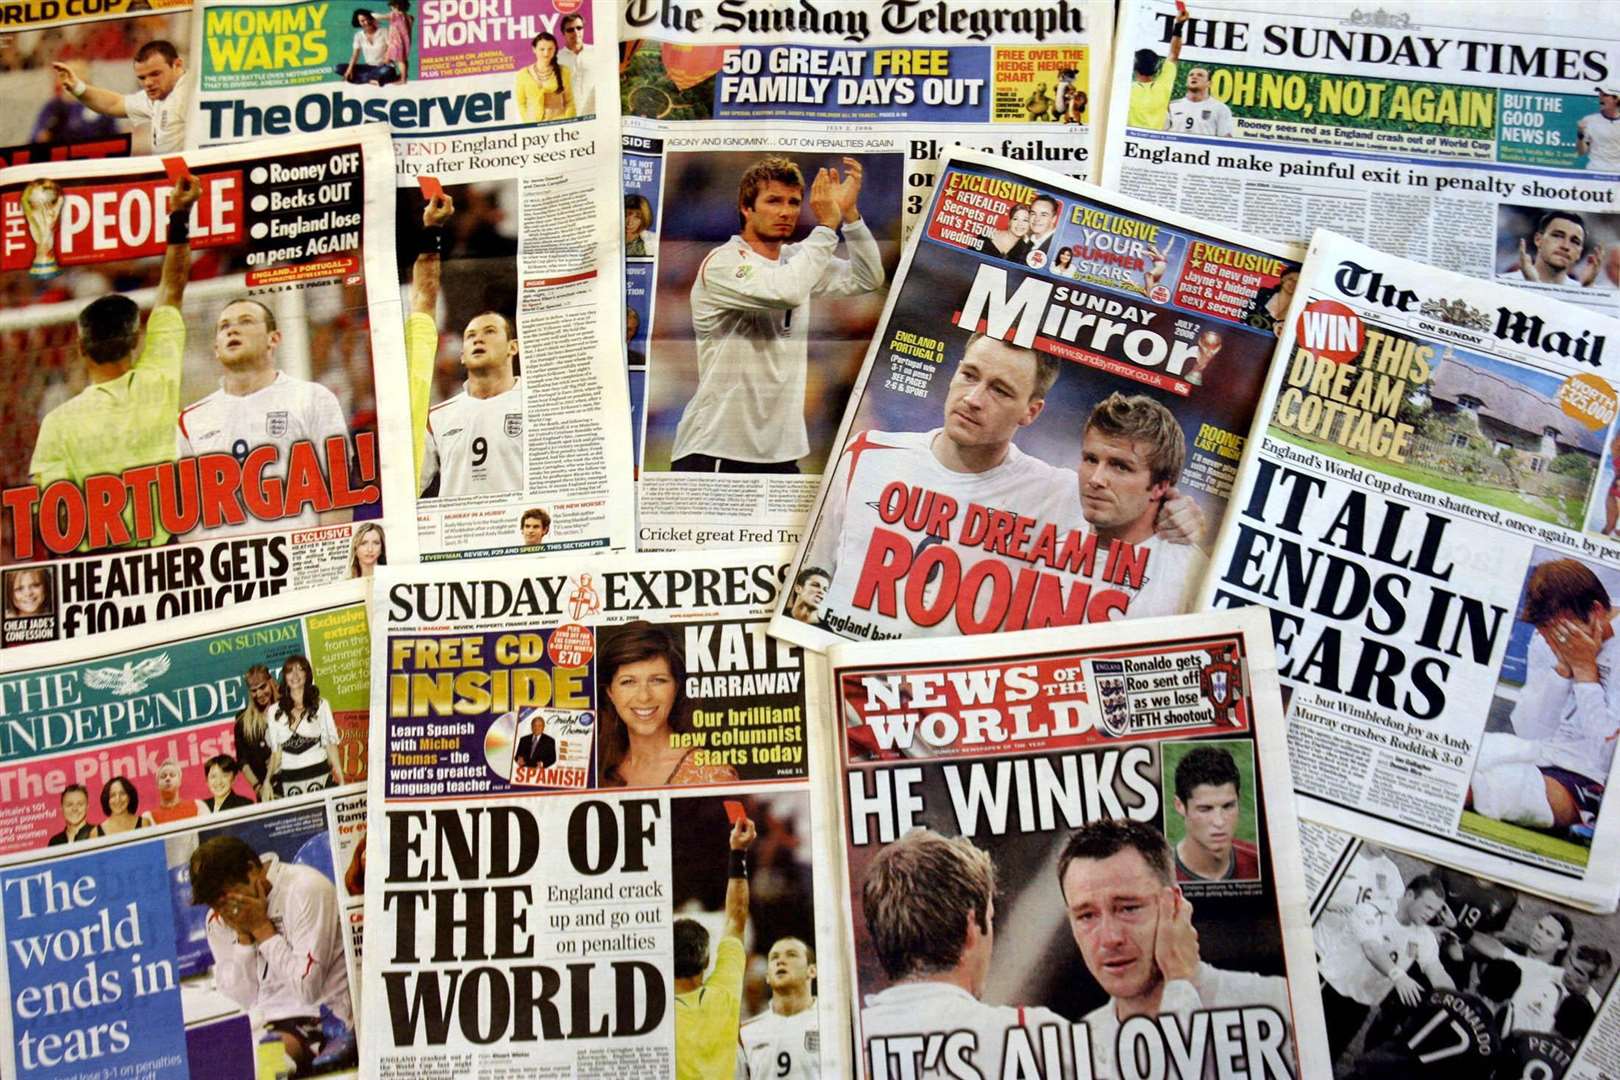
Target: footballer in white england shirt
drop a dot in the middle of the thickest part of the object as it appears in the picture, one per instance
(1133, 450)
(257, 405)
(875, 459)
(475, 439)
(1198, 113)
(751, 315)
(471, 444)
(784, 1041)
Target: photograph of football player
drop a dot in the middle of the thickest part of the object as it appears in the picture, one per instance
(467, 399)
(769, 272)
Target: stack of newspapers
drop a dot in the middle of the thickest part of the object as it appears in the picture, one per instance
(721, 540)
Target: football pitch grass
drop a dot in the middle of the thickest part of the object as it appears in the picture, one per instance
(1526, 839)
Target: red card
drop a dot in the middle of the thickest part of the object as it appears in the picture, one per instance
(1181, 7)
(431, 188)
(735, 811)
(176, 168)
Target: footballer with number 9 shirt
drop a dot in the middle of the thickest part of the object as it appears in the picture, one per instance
(784, 1040)
(472, 443)
(258, 404)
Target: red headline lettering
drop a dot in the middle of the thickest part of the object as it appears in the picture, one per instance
(210, 491)
(108, 222)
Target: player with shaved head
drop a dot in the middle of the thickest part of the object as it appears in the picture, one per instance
(785, 1040)
(472, 443)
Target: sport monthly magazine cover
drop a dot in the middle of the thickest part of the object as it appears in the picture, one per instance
(592, 844)
(181, 858)
(1047, 425)
(201, 388)
(1072, 853)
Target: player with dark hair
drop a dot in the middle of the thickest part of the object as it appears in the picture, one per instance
(751, 316)
(1547, 1055)
(998, 388)
(273, 928)
(126, 416)
(1550, 771)
(161, 102)
(1448, 1035)
(1544, 961)
(1583, 967)
(1373, 961)
(929, 902)
(1130, 460)
(809, 590)
(1553, 255)
(1208, 789)
(1134, 930)
(707, 1011)
(258, 404)
(1199, 113)
(1474, 905)
(784, 1040)
(471, 443)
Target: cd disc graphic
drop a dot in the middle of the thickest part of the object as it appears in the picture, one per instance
(498, 744)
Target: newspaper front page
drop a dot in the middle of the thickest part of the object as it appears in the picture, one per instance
(197, 382)
(591, 832)
(1430, 514)
(1481, 137)
(748, 304)
(131, 59)
(181, 856)
(1042, 434)
(506, 132)
(1489, 981)
(1073, 853)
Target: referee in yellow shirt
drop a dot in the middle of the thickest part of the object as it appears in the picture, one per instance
(127, 415)
(1154, 82)
(707, 1011)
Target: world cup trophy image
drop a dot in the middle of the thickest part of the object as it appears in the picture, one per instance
(42, 205)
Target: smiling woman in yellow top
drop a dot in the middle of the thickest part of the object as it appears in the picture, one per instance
(544, 88)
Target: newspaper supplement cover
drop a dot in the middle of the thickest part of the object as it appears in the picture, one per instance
(1481, 137)
(797, 144)
(1072, 854)
(180, 883)
(1485, 980)
(1047, 426)
(506, 130)
(93, 78)
(192, 406)
(591, 830)
(1429, 511)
